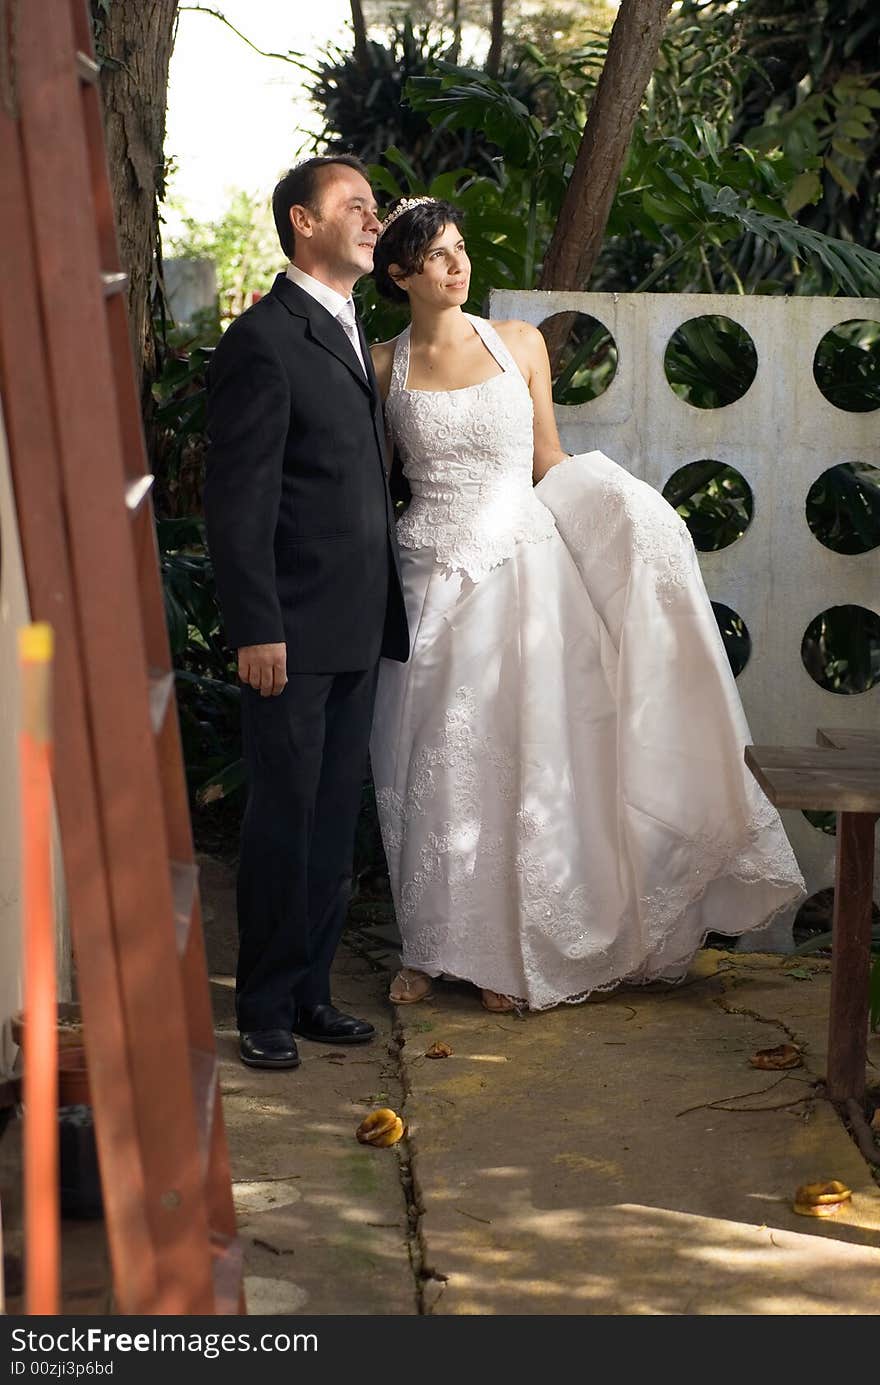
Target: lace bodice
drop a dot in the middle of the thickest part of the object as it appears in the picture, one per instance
(467, 455)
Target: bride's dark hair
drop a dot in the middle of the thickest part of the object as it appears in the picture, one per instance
(406, 240)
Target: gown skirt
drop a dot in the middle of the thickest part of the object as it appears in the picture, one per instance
(559, 766)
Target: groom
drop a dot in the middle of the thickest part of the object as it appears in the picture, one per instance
(300, 529)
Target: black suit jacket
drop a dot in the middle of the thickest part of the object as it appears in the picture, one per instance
(299, 520)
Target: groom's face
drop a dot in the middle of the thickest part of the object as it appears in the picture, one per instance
(345, 226)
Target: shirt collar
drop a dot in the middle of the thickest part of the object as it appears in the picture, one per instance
(328, 298)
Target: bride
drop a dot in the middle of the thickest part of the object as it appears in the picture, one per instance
(559, 767)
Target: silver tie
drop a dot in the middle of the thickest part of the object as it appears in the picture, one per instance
(346, 319)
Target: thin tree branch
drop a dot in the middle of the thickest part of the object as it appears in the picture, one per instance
(295, 59)
(741, 1096)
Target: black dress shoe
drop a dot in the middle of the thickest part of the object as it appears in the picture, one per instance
(326, 1025)
(268, 1048)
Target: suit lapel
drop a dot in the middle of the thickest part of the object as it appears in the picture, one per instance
(327, 332)
(323, 328)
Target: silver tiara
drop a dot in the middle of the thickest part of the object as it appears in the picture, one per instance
(405, 206)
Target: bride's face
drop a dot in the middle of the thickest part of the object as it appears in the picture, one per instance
(445, 275)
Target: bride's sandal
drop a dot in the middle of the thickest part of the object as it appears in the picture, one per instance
(409, 986)
(496, 1003)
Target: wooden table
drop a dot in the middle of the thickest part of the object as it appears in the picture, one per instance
(841, 773)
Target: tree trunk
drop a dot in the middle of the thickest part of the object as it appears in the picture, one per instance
(134, 43)
(577, 239)
(493, 62)
(454, 53)
(359, 24)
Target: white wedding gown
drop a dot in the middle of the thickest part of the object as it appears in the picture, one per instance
(559, 767)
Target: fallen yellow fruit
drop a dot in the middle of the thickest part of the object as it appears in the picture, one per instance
(380, 1128)
(821, 1199)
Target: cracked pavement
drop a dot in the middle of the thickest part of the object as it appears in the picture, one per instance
(617, 1157)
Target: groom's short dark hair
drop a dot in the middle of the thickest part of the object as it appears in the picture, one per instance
(300, 187)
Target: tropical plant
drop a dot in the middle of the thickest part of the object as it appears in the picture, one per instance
(360, 100)
(207, 685)
(206, 675)
(698, 208)
(824, 56)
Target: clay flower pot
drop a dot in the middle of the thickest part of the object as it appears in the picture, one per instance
(73, 1079)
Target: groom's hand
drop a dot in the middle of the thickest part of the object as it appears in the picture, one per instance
(264, 667)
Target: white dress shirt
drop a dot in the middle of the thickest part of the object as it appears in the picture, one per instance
(337, 306)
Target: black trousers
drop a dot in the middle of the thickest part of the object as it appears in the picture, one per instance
(306, 757)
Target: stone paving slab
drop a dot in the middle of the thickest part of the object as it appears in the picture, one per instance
(559, 1169)
(323, 1219)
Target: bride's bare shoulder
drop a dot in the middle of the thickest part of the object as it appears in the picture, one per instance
(520, 337)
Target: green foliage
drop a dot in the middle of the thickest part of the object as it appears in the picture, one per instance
(709, 209)
(714, 501)
(819, 64)
(699, 207)
(833, 131)
(499, 238)
(735, 636)
(841, 649)
(843, 508)
(363, 108)
(847, 367)
(243, 245)
(700, 76)
(206, 673)
(206, 677)
(362, 103)
(710, 361)
(587, 362)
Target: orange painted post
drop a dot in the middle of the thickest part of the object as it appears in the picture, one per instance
(41, 1191)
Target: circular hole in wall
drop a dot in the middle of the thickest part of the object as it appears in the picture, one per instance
(843, 507)
(710, 361)
(823, 822)
(588, 360)
(814, 917)
(714, 500)
(735, 634)
(841, 649)
(846, 366)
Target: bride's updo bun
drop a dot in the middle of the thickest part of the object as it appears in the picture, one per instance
(406, 239)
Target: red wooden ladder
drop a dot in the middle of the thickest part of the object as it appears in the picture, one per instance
(82, 489)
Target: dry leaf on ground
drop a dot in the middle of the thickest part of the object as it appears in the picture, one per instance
(380, 1128)
(821, 1199)
(782, 1056)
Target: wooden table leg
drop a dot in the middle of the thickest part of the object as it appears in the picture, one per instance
(850, 957)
